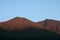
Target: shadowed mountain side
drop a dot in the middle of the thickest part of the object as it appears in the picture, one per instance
(28, 34)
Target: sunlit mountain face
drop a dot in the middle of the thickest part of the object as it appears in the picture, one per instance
(16, 23)
(22, 28)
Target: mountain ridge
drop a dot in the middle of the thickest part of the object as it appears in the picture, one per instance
(18, 23)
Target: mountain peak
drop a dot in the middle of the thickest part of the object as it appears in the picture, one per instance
(51, 20)
(17, 17)
(16, 23)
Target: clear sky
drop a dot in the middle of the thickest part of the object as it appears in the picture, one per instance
(35, 10)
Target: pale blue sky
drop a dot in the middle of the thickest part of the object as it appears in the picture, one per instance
(35, 10)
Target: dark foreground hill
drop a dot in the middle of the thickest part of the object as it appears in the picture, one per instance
(28, 34)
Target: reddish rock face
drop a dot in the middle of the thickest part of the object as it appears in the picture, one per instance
(48, 24)
(52, 25)
(19, 23)
(38, 24)
(16, 23)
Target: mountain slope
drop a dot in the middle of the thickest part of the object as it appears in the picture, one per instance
(52, 25)
(28, 34)
(19, 23)
(15, 23)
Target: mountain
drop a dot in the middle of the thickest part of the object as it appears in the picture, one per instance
(20, 28)
(19, 23)
(38, 25)
(16, 23)
(51, 25)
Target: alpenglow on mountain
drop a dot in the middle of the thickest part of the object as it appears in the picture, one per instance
(19, 23)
